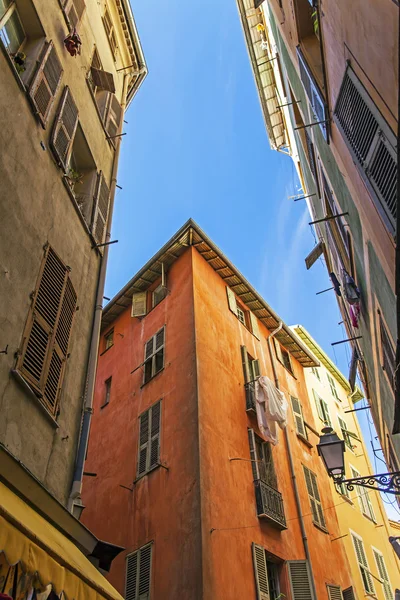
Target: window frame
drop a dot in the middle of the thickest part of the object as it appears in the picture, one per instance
(137, 581)
(107, 395)
(152, 357)
(322, 409)
(365, 503)
(158, 289)
(345, 433)
(10, 10)
(107, 335)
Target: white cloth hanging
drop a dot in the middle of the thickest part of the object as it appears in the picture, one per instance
(271, 408)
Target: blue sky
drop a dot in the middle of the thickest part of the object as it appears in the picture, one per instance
(196, 147)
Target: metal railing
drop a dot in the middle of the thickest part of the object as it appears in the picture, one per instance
(250, 395)
(270, 504)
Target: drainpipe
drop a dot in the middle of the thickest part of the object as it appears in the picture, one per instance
(291, 464)
(76, 488)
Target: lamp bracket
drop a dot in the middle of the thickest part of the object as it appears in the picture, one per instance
(383, 482)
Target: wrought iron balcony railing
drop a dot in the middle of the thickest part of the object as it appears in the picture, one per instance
(250, 395)
(270, 504)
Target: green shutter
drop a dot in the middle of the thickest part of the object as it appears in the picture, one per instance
(363, 565)
(314, 497)
(318, 405)
(383, 574)
(260, 572)
(299, 577)
(255, 368)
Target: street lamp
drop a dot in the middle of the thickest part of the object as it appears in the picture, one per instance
(331, 449)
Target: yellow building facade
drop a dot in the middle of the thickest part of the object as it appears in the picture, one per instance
(364, 526)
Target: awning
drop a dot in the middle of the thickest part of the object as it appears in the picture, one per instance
(26, 537)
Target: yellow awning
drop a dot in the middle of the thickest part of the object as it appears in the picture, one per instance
(26, 537)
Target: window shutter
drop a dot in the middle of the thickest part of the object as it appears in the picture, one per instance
(159, 339)
(45, 83)
(100, 213)
(383, 574)
(255, 368)
(231, 300)
(102, 79)
(155, 435)
(253, 455)
(363, 564)
(64, 128)
(348, 594)
(298, 417)
(73, 10)
(299, 577)
(145, 573)
(321, 518)
(131, 576)
(325, 409)
(314, 255)
(318, 405)
(278, 350)
(139, 301)
(48, 329)
(143, 443)
(388, 352)
(334, 592)
(113, 116)
(314, 95)
(254, 326)
(246, 364)
(260, 572)
(313, 504)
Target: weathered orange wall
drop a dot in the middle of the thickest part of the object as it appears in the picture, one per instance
(201, 513)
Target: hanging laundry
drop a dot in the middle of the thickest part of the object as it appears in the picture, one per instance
(336, 283)
(271, 408)
(351, 291)
(73, 43)
(354, 311)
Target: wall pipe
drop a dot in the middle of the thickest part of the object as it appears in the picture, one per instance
(291, 465)
(76, 488)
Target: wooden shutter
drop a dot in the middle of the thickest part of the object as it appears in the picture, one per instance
(278, 350)
(144, 430)
(383, 574)
(255, 368)
(113, 116)
(45, 83)
(348, 594)
(334, 592)
(144, 573)
(318, 405)
(363, 498)
(246, 364)
(325, 409)
(260, 572)
(299, 577)
(363, 564)
(231, 301)
(253, 455)
(314, 255)
(102, 79)
(387, 351)
(254, 326)
(73, 10)
(64, 128)
(298, 417)
(155, 414)
(159, 339)
(100, 212)
(314, 95)
(139, 304)
(314, 497)
(48, 330)
(131, 580)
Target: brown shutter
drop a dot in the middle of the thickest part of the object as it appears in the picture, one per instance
(278, 350)
(298, 417)
(314, 255)
(348, 594)
(101, 207)
(155, 435)
(299, 577)
(231, 301)
(260, 572)
(131, 576)
(73, 10)
(334, 592)
(139, 301)
(143, 451)
(64, 128)
(144, 573)
(45, 83)
(103, 79)
(48, 329)
(113, 116)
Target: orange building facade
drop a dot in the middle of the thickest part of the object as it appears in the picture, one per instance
(181, 477)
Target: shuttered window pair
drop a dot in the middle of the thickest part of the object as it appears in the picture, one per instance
(110, 31)
(251, 366)
(363, 498)
(154, 355)
(314, 498)
(138, 574)
(45, 83)
(139, 299)
(388, 354)
(371, 142)
(262, 462)
(383, 574)
(366, 575)
(322, 409)
(298, 417)
(313, 92)
(246, 317)
(283, 356)
(149, 439)
(73, 11)
(47, 332)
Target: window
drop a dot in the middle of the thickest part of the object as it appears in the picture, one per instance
(246, 317)
(345, 433)
(366, 575)
(283, 356)
(158, 295)
(154, 355)
(47, 332)
(312, 88)
(251, 366)
(348, 594)
(315, 372)
(332, 385)
(314, 497)
(298, 418)
(371, 142)
(337, 226)
(73, 11)
(149, 440)
(334, 592)
(12, 33)
(241, 315)
(266, 574)
(300, 581)
(109, 339)
(107, 392)
(363, 498)
(138, 574)
(322, 409)
(109, 27)
(388, 354)
(383, 574)
(262, 461)
(139, 304)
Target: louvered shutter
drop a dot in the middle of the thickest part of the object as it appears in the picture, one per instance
(363, 564)
(246, 364)
(131, 576)
(325, 409)
(155, 414)
(231, 300)
(102, 79)
(317, 498)
(311, 156)
(388, 352)
(159, 339)
(298, 417)
(64, 128)
(300, 580)
(113, 116)
(255, 368)
(139, 302)
(144, 573)
(383, 574)
(143, 452)
(254, 326)
(348, 594)
(334, 592)
(73, 10)
(313, 93)
(313, 504)
(278, 350)
(45, 83)
(318, 405)
(260, 572)
(253, 455)
(100, 212)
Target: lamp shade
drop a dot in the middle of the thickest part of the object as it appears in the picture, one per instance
(331, 449)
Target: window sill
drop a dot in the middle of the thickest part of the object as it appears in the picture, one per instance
(304, 440)
(348, 500)
(139, 477)
(369, 518)
(106, 350)
(152, 378)
(318, 526)
(20, 379)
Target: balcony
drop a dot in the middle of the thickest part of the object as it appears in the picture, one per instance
(270, 504)
(250, 395)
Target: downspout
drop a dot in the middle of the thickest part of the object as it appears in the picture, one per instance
(291, 465)
(76, 488)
